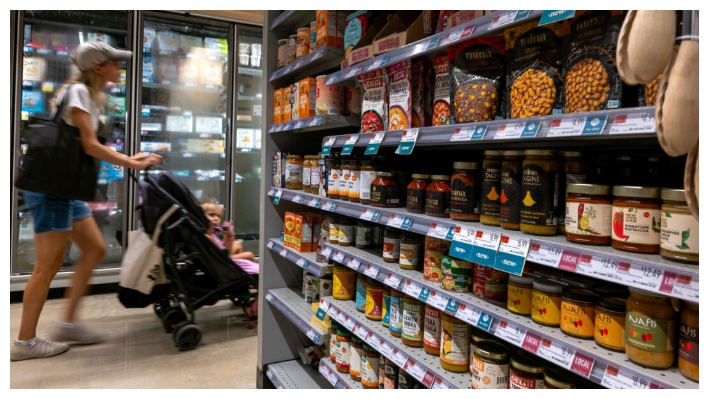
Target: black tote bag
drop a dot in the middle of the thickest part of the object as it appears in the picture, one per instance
(55, 162)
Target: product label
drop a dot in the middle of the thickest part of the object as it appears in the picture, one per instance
(364, 236)
(689, 343)
(343, 183)
(647, 333)
(490, 198)
(577, 320)
(346, 234)
(373, 305)
(415, 200)
(412, 328)
(294, 173)
(366, 184)
(539, 190)
(334, 233)
(395, 315)
(370, 371)
(464, 198)
(510, 195)
(588, 219)
(438, 203)
(409, 254)
(519, 299)
(307, 172)
(333, 182)
(355, 361)
(455, 340)
(636, 225)
(400, 96)
(489, 376)
(386, 302)
(609, 329)
(455, 283)
(679, 233)
(342, 359)
(518, 381)
(489, 290)
(360, 295)
(392, 247)
(564, 181)
(432, 327)
(314, 178)
(384, 195)
(354, 184)
(545, 309)
(333, 347)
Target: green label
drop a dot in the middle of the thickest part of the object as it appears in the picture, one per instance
(650, 334)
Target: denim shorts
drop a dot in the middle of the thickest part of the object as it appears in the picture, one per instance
(54, 214)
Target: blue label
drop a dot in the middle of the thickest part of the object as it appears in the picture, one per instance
(461, 250)
(432, 44)
(530, 130)
(316, 338)
(594, 125)
(423, 296)
(549, 16)
(353, 31)
(317, 204)
(404, 148)
(289, 126)
(386, 302)
(479, 132)
(320, 315)
(326, 149)
(371, 149)
(375, 216)
(451, 307)
(360, 295)
(484, 322)
(406, 224)
(509, 263)
(522, 14)
(484, 256)
(347, 149)
(449, 236)
(276, 200)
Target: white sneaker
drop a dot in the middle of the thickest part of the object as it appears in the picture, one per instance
(41, 348)
(76, 334)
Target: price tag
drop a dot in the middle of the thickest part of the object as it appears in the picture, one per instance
(374, 142)
(523, 130)
(423, 294)
(269, 374)
(439, 384)
(385, 348)
(437, 300)
(646, 277)
(378, 64)
(451, 37)
(299, 124)
(315, 202)
(582, 364)
(269, 297)
(332, 377)
(408, 141)
(569, 261)
(277, 197)
(414, 369)
(556, 352)
(370, 214)
(360, 331)
(271, 192)
(279, 127)
(302, 263)
(329, 206)
(284, 252)
(451, 307)
(484, 322)
(399, 222)
(316, 121)
(353, 263)
(298, 199)
(327, 146)
(462, 244)
(315, 337)
(326, 252)
(550, 16)
(332, 79)
(504, 19)
(392, 280)
(462, 134)
(354, 71)
(288, 126)
(411, 289)
(468, 314)
(372, 340)
(433, 43)
(545, 255)
(349, 144)
(269, 245)
(510, 333)
(531, 342)
(638, 122)
(577, 126)
(685, 286)
(398, 357)
(585, 265)
(322, 368)
(371, 271)
(438, 231)
(349, 323)
(339, 256)
(615, 378)
(335, 314)
(485, 246)
(317, 54)
(512, 254)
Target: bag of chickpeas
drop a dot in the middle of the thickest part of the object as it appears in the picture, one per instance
(477, 75)
(647, 93)
(592, 81)
(535, 69)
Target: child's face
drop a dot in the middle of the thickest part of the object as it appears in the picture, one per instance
(214, 216)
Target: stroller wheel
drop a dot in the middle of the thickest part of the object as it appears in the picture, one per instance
(161, 306)
(171, 317)
(186, 336)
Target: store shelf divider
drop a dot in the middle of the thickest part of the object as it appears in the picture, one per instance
(283, 299)
(337, 379)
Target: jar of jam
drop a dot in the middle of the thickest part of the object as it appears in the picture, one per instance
(307, 167)
(385, 191)
(374, 300)
(610, 323)
(490, 198)
(546, 301)
(588, 213)
(650, 329)
(363, 235)
(333, 179)
(573, 168)
(409, 251)
(294, 172)
(511, 189)
(688, 362)
(466, 186)
(413, 319)
(636, 219)
(354, 183)
(343, 181)
(556, 380)
(540, 190)
(342, 359)
(432, 330)
(679, 232)
(368, 172)
(395, 313)
(438, 196)
(491, 366)
(416, 193)
(519, 294)
(578, 312)
(525, 372)
(392, 245)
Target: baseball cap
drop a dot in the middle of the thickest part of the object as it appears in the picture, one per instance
(93, 53)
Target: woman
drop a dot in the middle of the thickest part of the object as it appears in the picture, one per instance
(58, 220)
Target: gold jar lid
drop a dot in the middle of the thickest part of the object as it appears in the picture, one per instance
(556, 379)
(525, 363)
(294, 157)
(670, 194)
(466, 165)
(491, 350)
(493, 153)
(418, 176)
(385, 174)
(440, 177)
(513, 153)
(592, 189)
(570, 154)
(545, 153)
(636, 191)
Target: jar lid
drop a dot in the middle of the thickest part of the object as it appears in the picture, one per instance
(557, 379)
(550, 274)
(294, 157)
(440, 177)
(573, 281)
(385, 174)
(540, 152)
(593, 189)
(419, 176)
(612, 304)
(493, 153)
(341, 330)
(523, 279)
(618, 291)
(648, 293)
(570, 153)
(466, 165)
(356, 340)
(525, 363)
(578, 294)
(513, 153)
(548, 285)
(669, 194)
(492, 350)
(635, 191)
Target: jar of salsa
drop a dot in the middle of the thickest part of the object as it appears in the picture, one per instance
(588, 213)
(465, 189)
(511, 189)
(650, 329)
(540, 189)
(636, 219)
(294, 172)
(333, 178)
(368, 172)
(416, 193)
(385, 191)
(679, 237)
(438, 196)
(573, 168)
(490, 198)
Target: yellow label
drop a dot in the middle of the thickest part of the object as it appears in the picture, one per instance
(609, 330)
(519, 299)
(577, 320)
(545, 309)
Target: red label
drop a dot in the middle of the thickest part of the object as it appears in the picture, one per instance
(502, 127)
(556, 123)
(361, 54)
(612, 371)
(503, 324)
(569, 261)
(586, 258)
(428, 379)
(682, 279)
(531, 342)
(479, 234)
(389, 44)
(534, 247)
(467, 32)
(582, 364)
(624, 266)
(620, 119)
(668, 282)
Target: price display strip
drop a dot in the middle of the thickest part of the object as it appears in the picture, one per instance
(578, 126)
(277, 197)
(441, 231)
(399, 221)
(374, 142)
(519, 130)
(462, 244)
(370, 215)
(632, 123)
(327, 146)
(485, 245)
(349, 144)
(545, 255)
(512, 254)
(507, 18)
(408, 141)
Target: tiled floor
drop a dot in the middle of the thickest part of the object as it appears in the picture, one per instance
(138, 353)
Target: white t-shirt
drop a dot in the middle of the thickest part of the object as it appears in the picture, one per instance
(79, 97)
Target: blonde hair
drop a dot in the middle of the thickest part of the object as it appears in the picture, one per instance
(210, 205)
(92, 81)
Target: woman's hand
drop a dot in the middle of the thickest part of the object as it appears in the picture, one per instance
(145, 161)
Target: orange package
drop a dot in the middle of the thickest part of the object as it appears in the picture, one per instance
(286, 106)
(289, 230)
(303, 232)
(307, 88)
(277, 106)
(330, 28)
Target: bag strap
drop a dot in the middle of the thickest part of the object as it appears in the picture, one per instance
(59, 109)
(163, 219)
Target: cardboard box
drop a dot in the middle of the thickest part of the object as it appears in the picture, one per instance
(330, 28)
(289, 230)
(364, 50)
(403, 28)
(306, 98)
(277, 106)
(461, 17)
(278, 173)
(303, 239)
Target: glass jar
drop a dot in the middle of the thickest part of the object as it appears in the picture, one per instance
(333, 180)
(550, 274)
(688, 361)
(315, 174)
(511, 189)
(392, 245)
(490, 197)
(626, 172)
(374, 300)
(573, 169)
(476, 336)
(416, 193)
(555, 380)
(578, 312)
(391, 374)
(361, 292)
(432, 330)
(356, 349)
(413, 318)
(578, 282)
(455, 335)
(334, 230)
(432, 262)
(609, 327)
(363, 235)
(386, 302)
(636, 219)
(294, 172)
(402, 178)
(546, 301)
(650, 329)
(354, 183)
(679, 232)
(385, 191)
(395, 313)
(465, 189)
(368, 172)
(491, 366)
(346, 235)
(540, 190)
(438, 196)
(343, 181)
(344, 337)
(519, 294)
(490, 290)
(369, 373)
(343, 283)
(611, 290)
(409, 251)
(588, 213)
(525, 372)
(333, 341)
(307, 169)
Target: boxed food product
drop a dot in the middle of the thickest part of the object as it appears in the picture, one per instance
(406, 26)
(328, 99)
(303, 240)
(148, 38)
(417, 94)
(463, 16)
(294, 101)
(289, 230)
(374, 100)
(364, 49)
(244, 138)
(167, 69)
(179, 123)
(302, 43)
(149, 146)
(427, 92)
(209, 124)
(215, 45)
(330, 28)
(33, 68)
(277, 106)
(441, 113)
(212, 72)
(400, 94)
(287, 105)
(32, 101)
(168, 40)
(278, 172)
(116, 106)
(355, 27)
(306, 100)
(148, 72)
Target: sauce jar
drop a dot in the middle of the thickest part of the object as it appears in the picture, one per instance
(334, 230)
(391, 375)
(511, 189)
(610, 323)
(354, 183)
(611, 290)
(395, 313)
(490, 196)
(688, 361)
(550, 274)
(476, 336)
(342, 362)
(346, 235)
(578, 312)
(432, 330)
(361, 292)
(540, 190)
(525, 372)
(333, 180)
(491, 366)
(636, 219)
(454, 349)
(546, 301)
(412, 329)
(438, 196)
(343, 283)
(369, 373)
(416, 193)
(519, 294)
(294, 172)
(368, 172)
(409, 251)
(363, 235)
(465, 189)
(490, 290)
(589, 213)
(374, 300)
(356, 349)
(650, 329)
(555, 380)
(307, 168)
(343, 181)
(679, 232)
(573, 168)
(315, 174)
(333, 340)
(402, 178)
(384, 191)
(392, 245)
(386, 302)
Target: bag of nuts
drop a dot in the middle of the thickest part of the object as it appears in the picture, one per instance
(592, 81)
(534, 69)
(477, 74)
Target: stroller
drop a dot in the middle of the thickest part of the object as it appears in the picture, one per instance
(198, 273)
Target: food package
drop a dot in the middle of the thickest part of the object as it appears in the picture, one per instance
(330, 28)
(148, 71)
(400, 94)
(32, 101)
(277, 106)
(374, 100)
(209, 124)
(356, 25)
(168, 40)
(294, 101)
(417, 93)
(306, 100)
(278, 172)
(212, 73)
(189, 70)
(441, 92)
(148, 39)
(179, 123)
(33, 68)
(328, 99)
(287, 105)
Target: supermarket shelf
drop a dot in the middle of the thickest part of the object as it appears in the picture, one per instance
(250, 71)
(581, 356)
(186, 134)
(505, 132)
(292, 305)
(483, 26)
(184, 86)
(420, 365)
(180, 154)
(337, 379)
(291, 20)
(305, 260)
(293, 374)
(648, 272)
(323, 59)
(315, 123)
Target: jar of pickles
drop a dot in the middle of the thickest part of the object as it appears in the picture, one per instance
(438, 196)
(490, 198)
(540, 189)
(465, 191)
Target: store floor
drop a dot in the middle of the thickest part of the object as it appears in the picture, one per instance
(138, 353)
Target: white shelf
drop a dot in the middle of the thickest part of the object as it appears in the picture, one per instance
(292, 305)
(293, 374)
(337, 379)
(305, 260)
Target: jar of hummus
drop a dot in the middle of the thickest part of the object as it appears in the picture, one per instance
(490, 198)
(546, 301)
(688, 362)
(416, 193)
(679, 232)
(588, 214)
(294, 172)
(438, 196)
(455, 335)
(610, 323)
(511, 189)
(650, 329)
(491, 366)
(540, 193)
(636, 219)
(465, 189)
(578, 312)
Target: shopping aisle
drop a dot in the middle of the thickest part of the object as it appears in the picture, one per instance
(138, 353)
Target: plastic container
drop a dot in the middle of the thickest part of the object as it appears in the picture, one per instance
(589, 214)
(491, 366)
(636, 219)
(511, 189)
(454, 349)
(578, 312)
(465, 189)
(679, 232)
(490, 196)
(609, 327)
(540, 189)
(546, 301)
